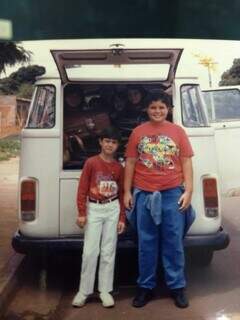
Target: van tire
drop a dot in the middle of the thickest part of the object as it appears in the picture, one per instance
(201, 257)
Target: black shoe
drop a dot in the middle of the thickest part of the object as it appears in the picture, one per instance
(142, 297)
(180, 298)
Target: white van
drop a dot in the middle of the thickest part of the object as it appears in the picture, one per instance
(105, 69)
(223, 105)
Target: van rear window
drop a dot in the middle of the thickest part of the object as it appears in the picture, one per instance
(42, 113)
(121, 71)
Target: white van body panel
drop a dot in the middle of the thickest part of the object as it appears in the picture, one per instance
(204, 164)
(46, 173)
(227, 135)
(227, 143)
(68, 207)
(41, 159)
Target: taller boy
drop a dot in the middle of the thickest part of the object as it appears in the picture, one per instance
(158, 163)
(100, 201)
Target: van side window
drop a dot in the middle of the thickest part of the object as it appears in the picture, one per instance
(192, 107)
(223, 105)
(42, 114)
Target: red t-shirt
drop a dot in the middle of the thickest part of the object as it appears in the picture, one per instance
(100, 180)
(158, 149)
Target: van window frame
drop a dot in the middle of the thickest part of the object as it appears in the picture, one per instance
(33, 101)
(206, 121)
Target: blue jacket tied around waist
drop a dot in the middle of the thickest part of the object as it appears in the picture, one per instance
(153, 203)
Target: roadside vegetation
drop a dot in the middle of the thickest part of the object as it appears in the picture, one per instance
(20, 83)
(231, 77)
(9, 148)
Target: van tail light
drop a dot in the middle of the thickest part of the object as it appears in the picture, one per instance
(210, 195)
(28, 199)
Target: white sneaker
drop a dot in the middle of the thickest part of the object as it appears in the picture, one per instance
(79, 300)
(107, 299)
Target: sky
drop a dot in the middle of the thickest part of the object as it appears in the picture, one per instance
(222, 53)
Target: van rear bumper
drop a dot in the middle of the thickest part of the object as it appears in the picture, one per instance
(217, 241)
(23, 244)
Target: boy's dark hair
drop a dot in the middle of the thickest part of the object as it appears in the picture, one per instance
(159, 95)
(138, 88)
(110, 133)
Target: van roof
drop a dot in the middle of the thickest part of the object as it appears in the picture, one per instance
(94, 44)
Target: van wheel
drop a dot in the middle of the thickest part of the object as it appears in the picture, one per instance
(201, 257)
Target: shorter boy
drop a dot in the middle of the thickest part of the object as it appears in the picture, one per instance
(101, 211)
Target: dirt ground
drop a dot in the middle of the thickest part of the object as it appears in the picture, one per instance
(213, 291)
(8, 206)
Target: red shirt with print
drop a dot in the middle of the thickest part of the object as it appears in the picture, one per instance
(100, 180)
(158, 149)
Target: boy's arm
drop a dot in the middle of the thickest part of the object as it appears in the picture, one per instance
(187, 169)
(83, 189)
(128, 178)
(122, 217)
(120, 193)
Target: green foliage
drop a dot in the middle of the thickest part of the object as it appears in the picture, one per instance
(27, 74)
(12, 53)
(9, 147)
(231, 76)
(20, 82)
(25, 91)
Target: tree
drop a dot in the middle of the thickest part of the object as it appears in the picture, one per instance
(232, 75)
(12, 53)
(21, 82)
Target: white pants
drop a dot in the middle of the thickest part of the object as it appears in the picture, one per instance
(100, 237)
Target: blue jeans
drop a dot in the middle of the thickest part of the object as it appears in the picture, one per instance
(164, 242)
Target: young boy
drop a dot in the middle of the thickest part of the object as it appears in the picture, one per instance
(101, 211)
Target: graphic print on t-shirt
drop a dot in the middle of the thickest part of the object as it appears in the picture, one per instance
(105, 186)
(108, 188)
(157, 152)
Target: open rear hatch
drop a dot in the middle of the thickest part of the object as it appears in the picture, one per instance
(118, 64)
(98, 73)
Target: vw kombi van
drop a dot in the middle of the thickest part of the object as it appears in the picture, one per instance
(56, 144)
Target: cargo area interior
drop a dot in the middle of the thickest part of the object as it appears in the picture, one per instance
(95, 106)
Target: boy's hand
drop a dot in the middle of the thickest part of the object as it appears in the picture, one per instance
(120, 227)
(185, 200)
(128, 200)
(81, 221)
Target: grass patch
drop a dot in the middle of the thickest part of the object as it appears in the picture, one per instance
(9, 147)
